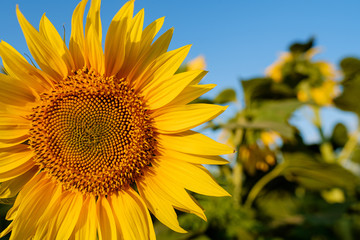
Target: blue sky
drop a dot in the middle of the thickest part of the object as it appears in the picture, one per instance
(239, 38)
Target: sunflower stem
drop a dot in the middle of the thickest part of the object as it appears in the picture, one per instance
(349, 146)
(238, 168)
(262, 182)
(326, 148)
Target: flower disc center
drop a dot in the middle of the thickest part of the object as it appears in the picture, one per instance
(93, 134)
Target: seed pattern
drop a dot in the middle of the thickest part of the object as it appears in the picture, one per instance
(93, 134)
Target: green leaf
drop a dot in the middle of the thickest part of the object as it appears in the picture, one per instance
(255, 88)
(350, 66)
(286, 131)
(279, 205)
(339, 136)
(276, 114)
(267, 115)
(276, 111)
(259, 89)
(350, 97)
(317, 175)
(227, 95)
(299, 47)
(203, 100)
(356, 155)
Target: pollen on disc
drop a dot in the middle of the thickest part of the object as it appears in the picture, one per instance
(93, 134)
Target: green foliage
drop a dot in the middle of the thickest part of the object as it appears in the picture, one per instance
(317, 175)
(350, 67)
(302, 47)
(226, 96)
(281, 186)
(349, 99)
(339, 136)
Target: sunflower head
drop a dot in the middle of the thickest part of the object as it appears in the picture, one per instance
(95, 138)
(93, 134)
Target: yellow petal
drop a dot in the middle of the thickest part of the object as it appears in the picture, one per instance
(11, 173)
(47, 58)
(106, 220)
(159, 93)
(63, 216)
(116, 39)
(197, 159)
(14, 92)
(93, 37)
(191, 93)
(94, 52)
(173, 193)
(158, 48)
(13, 133)
(20, 148)
(29, 187)
(12, 126)
(4, 143)
(162, 67)
(10, 188)
(86, 225)
(159, 206)
(93, 19)
(132, 215)
(18, 67)
(182, 118)
(9, 120)
(150, 32)
(193, 143)
(125, 12)
(77, 45)
(133, 42)
(24, 110)
(41, 197)
(191, 176)
(50, 33)
(6, 230)
(12, 161)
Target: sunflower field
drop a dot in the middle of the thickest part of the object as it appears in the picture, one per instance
(114, 140)
(283, 187)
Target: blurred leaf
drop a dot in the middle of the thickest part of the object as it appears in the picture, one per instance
(181, 69)
(254, 88)
(227, 95)
(298, 47)
(276, 111)
(356, 155)
(339, 136)
(317, 175)
(203, 100)
(259, 89)
(281, 206)
(276, 114)
(319, 214)
(284, 130)
(350, 66)
(350, 97)
(266, 115)
(282, 91)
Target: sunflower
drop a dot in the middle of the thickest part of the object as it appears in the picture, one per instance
(92, 140)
